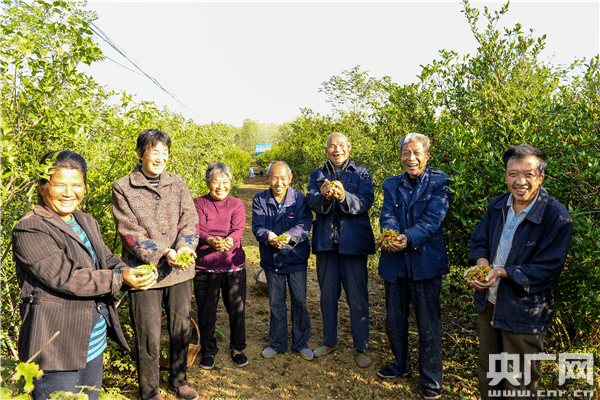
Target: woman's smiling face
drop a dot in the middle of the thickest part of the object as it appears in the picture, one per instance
(64, 191)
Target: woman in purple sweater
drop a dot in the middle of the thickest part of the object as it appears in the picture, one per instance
(221, 265)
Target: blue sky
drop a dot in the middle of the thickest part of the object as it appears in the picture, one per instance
(228, 61)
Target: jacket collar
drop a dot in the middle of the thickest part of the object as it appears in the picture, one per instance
(137, 178)
(288, 201)
(536, 214)
(422, 184)
(50, 217)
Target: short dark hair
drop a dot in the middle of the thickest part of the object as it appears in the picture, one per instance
(63, 159)
(522, 151)
(150, 138)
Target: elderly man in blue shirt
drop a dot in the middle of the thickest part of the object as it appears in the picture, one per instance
(281, 222)
(415, 205)
(525, 236)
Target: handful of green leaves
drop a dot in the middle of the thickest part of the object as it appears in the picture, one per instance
(479, 273)
(147, 268)
(281, 238)
(184, 258)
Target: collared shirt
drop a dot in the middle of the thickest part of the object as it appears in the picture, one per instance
(505, 245)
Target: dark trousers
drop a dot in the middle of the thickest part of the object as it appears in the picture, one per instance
(54, 381)
(207, 286)
(425, 298)
(496, 341)
(146, 314)
(278, 332)
(333, 271)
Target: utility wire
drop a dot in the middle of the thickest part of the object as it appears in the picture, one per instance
(102, 35)
(98, 32)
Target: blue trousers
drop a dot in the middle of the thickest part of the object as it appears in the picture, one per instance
(335, 270)
(278, 332)
(54, 381)
(425, 297)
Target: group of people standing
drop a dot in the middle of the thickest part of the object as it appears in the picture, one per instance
(69, 277)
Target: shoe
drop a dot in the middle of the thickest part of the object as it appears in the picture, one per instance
(324, 350)
(432, 394)
(186, 393)
(157, 397)
(307, 354)
(269, 352)
(208, 362)
(387, 373)
(363, 360)
(239, 359)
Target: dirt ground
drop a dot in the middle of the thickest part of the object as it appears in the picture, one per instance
(287, 376)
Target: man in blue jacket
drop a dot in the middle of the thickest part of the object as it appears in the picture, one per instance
(341, 194)
(525, 236)
(281, 222)
(414, 206)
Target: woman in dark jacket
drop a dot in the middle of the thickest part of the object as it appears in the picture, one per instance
(68, 278)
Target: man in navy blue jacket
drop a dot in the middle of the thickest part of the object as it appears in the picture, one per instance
(281, 223)
(525, 236)
(415, 205)
(341, 194)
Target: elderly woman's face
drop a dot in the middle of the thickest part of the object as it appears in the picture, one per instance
(219, 186)
(64, 191)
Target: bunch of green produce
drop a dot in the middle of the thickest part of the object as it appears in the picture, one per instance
(281, 238)
(147, 268)
(479, 273)
(184, 258)
(388, 236)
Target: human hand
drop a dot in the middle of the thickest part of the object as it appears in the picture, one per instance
(138, 279)
(220, 244)
(326, 190)
(279, 241)
(175, 258)
(490, 278)
(338, 191)
(398, 245)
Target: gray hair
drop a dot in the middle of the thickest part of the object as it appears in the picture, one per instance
(270, 167)
(218, 168)
(415, 137)
(335, 133)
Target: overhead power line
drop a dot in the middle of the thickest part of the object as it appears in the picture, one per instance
(102, 35)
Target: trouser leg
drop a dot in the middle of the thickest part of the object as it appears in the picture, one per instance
(146, 313)
(328, 274)
(300, 317)
(354, 276)
(234, 298)
(278, 332)
(206, 290)
(521, 344)
(397, 303)
(425, 295)
(178, 307)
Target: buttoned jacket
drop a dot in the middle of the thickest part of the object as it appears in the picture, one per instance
(293, 218)
(60, 285)
(526, 300)
(356, 234)
(151, 220)
(418, 213)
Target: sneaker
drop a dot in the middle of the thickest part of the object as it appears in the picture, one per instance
(269, 352)
(239, 359)
(324, 350)
(208, 362)
(432, 394)
(387, 373)
(307, 354)
(363, 360)
(186, 393)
